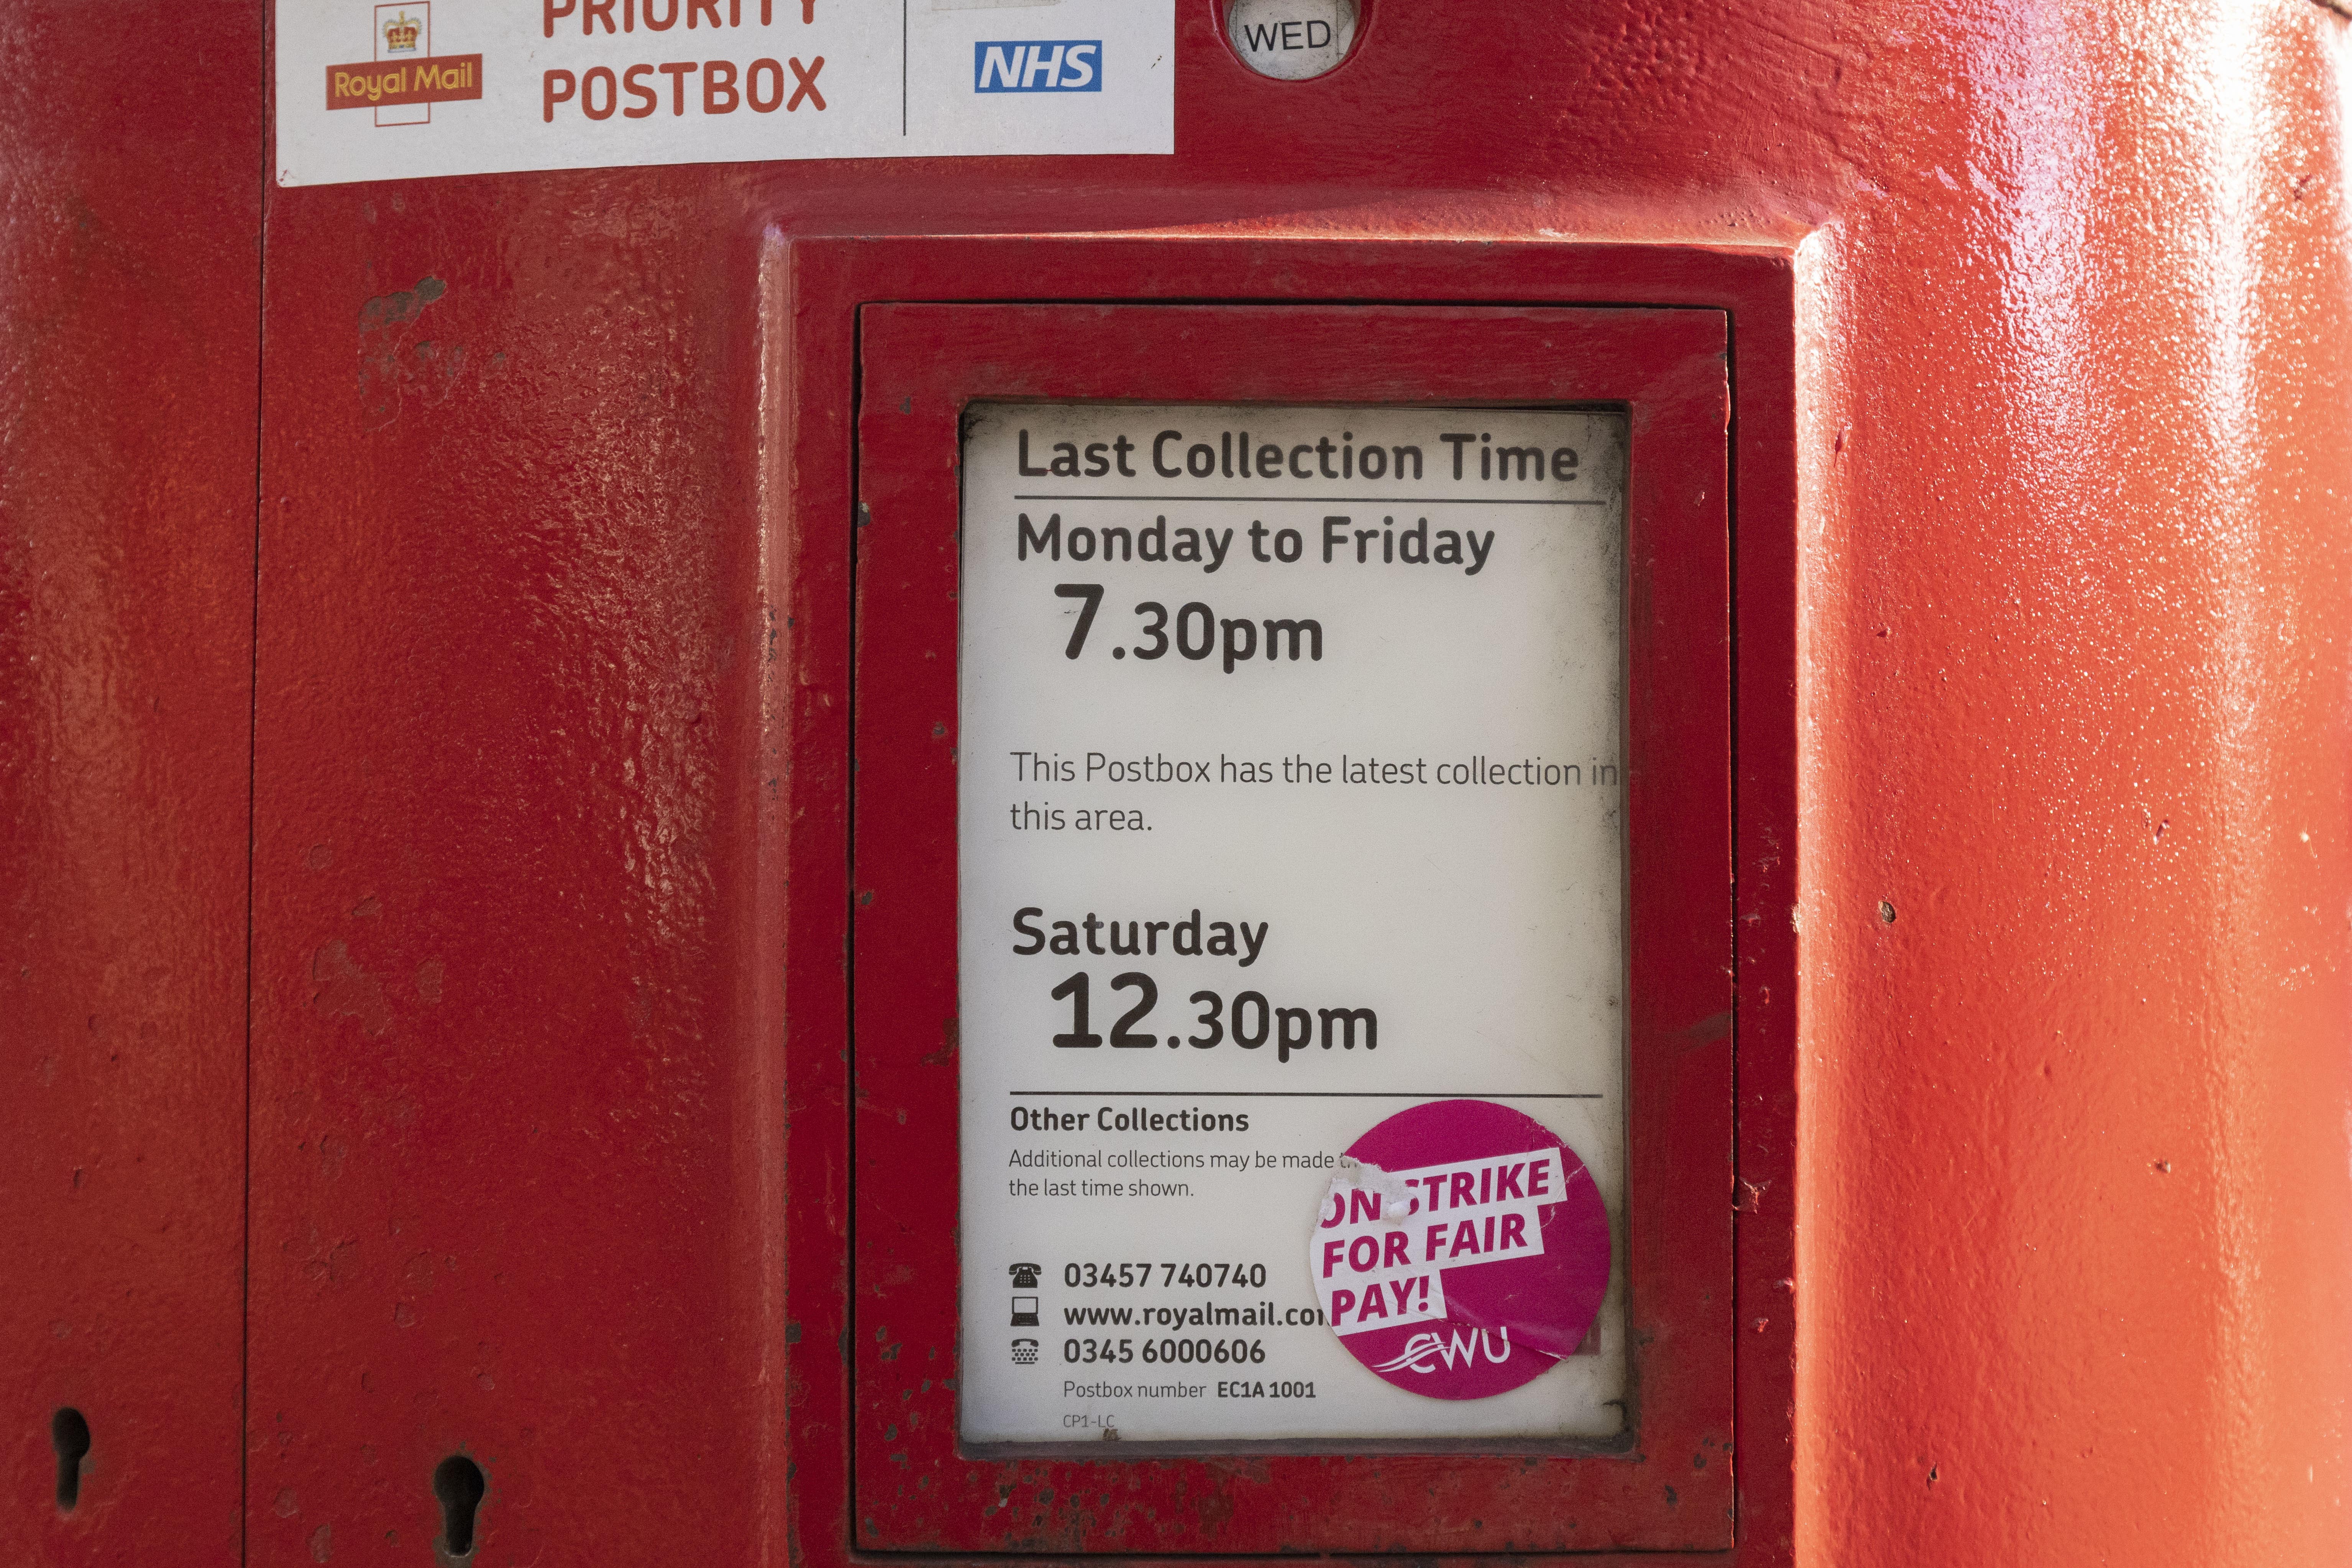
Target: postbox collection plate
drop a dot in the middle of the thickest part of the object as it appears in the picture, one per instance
(939, 382)
(1334, 692)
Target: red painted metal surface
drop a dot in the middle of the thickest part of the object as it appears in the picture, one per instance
(510, 1127)
(128, 401)
(129, 386)
(920, 368)
(2076, 842)
(582, 1205)
(555, 678)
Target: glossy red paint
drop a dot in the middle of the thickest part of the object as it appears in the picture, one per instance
(129, 391)
(920, 367)
(555, 681)
(2076, 848)
(788, 1200)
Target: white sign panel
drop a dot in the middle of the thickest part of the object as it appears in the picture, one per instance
(374, 91)
(1292, 925)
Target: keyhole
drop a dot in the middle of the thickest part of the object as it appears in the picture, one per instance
(457, 1482)
(69, 1436)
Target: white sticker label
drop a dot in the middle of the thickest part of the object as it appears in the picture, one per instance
(371, 92)
(1402, 1252)
(1292, 909)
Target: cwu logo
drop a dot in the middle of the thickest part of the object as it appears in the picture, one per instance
(1046, 65)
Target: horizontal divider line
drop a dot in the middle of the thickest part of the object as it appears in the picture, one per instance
(1276, 1094)
(1325, 500)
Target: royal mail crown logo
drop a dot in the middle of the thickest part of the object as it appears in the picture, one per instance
(407, 78)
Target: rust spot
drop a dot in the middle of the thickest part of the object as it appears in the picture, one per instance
(392, 368)
(406, 305)
(343, 990)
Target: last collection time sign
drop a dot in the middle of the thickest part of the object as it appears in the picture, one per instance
(1292, 925)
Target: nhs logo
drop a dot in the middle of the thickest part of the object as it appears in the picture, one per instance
(1048, 65)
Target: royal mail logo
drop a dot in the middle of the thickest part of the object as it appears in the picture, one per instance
(1037, 65)
(405, 79)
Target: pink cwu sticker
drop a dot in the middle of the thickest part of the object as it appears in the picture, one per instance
(1462, 1251)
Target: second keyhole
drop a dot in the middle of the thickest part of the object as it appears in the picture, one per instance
(457, 1486)
(69, 1436)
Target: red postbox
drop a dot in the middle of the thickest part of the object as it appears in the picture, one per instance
(548, 609)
